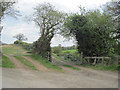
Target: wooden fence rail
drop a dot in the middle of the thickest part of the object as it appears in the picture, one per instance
(97, 58)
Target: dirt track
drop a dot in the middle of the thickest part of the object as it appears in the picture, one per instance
(22, 77)
(17, 63)
(39, 66)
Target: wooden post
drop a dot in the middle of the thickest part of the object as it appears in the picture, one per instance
(81, 57)
(102, 60)
(95, 60)
(88, 59)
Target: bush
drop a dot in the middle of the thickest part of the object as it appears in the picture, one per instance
(19, 42)
(57, 50)
(24, 44)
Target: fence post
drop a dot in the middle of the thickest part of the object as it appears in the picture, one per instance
(102, 60)
(81, 57)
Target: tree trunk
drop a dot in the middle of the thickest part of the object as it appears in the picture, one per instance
(42, 48)
(49, 55)
(1, 27)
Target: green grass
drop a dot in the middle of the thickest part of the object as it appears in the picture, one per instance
(6, 62)
(12, 49)
(26, 62)
(69, 51)
(45, 62)
(106, 68)
(58, 57)
(70, 66)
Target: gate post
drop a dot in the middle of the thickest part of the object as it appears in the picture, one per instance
(81, 57)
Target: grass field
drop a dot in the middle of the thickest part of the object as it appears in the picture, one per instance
(45, 62)
(6, 62)
(12, 49)
(18, 52)
(25, 62)
(69, 51)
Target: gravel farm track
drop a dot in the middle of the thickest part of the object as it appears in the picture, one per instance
(24, 77)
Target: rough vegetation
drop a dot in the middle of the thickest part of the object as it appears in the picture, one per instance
(6, 62)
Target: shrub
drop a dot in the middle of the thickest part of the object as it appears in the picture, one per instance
(57, 50)
(24, 44)
(19, 42)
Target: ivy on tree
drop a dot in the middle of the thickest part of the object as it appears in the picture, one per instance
(49, 20)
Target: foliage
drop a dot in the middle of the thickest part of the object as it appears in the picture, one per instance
(49, 20)
(19, 42)
(57, 57)
(26, 62)
(119, 48)
(112, 8)
(7, 8)
(92, 32)
(27, 46)
(29, 52)
(70, 66)
(57, 50)
(20, 37)
(72, 55)
(69, 55)
(69, 48)
(45, 62)
(6, 62)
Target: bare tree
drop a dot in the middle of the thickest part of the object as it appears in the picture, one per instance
(49, 20)
(113, 9)
(20, 37)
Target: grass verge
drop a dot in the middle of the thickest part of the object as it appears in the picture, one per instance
(70, 66)
(101, 67)
(26, 62)
(6, 62)
(45, 62)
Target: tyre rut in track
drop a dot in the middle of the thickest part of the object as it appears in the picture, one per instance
(36, 64)
(17, 63)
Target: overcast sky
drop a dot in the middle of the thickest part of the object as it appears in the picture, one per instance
(14, 26)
